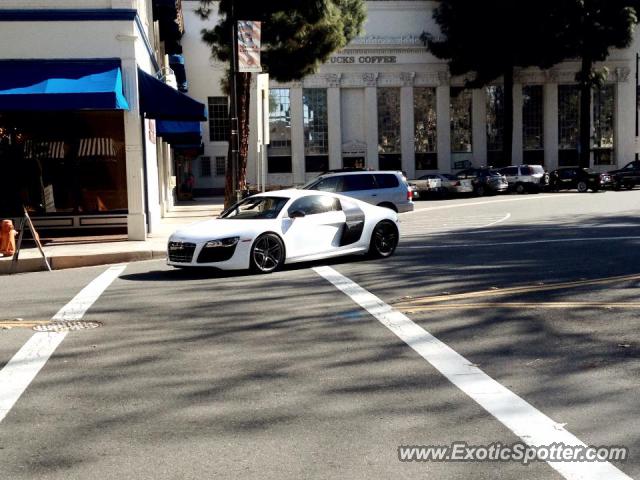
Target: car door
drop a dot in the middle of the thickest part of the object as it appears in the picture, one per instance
(313, 225)
(361, 186)
(567, 178)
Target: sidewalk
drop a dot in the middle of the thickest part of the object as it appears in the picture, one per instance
(73, 252)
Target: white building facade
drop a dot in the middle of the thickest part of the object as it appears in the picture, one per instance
(385, 102)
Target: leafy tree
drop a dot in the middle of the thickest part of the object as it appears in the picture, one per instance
(489, 39)
(297, 37)
(589, 29)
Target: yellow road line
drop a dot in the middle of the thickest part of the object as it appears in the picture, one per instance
(514, 290)
(22, 323)
(465, 306)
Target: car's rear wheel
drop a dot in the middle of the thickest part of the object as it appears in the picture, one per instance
(267, 253)
(384, 239)
(520, 188)
(582, 186)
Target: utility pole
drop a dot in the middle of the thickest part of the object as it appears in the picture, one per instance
(235, 132)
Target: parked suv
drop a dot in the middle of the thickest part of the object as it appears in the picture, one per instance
(582, 179)
(626, 177)
(525, 178)
(382, 188)
(484, 180)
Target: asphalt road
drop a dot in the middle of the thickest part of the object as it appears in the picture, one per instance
(212, 375)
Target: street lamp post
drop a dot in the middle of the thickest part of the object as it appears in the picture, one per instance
(233, 90)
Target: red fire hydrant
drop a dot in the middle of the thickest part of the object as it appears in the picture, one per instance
(7, 238)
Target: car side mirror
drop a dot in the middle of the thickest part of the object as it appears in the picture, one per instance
(297, 214)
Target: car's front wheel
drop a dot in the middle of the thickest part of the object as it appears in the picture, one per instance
(267, 253)
(582, 186)
(384, 240)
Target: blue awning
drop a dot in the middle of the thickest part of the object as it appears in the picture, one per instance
(160, 101)
(179, 133)
(176, 62)
(51, 85)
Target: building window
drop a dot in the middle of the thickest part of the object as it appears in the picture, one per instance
(603, 125)
(205, 166)
(495, 125)
(218, 119)
(425, 128)
(533, 124)
(461, 118)
(279, 150)
(389, 128)
(221, 166)
(316, 129)
(568, 124)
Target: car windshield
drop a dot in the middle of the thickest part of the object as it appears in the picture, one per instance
(255, 208)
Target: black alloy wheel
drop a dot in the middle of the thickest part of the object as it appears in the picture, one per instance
(384, 240)
(267, 253)
(582, 186)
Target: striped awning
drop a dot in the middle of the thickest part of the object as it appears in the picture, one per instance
(42, 149)
(97, 147)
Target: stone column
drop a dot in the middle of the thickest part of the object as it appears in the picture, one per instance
(136, 218)
(625, 117)
(371, 118)
(407, 122)
(479, 127)
(334, 119)
(297, 135)
(443, 106)
(518, 138)
(550, 115)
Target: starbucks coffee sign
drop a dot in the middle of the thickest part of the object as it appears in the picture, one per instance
(363, 59)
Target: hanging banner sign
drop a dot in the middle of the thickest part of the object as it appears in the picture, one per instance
(249, 46)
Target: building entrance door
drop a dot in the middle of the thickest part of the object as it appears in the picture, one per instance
(353, 162)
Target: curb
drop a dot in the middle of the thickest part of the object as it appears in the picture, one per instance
(76, 261)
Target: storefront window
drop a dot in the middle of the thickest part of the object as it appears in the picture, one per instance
(279, 150)
(425, 128)
(389, 128)
(495, 125)
(533, 124)
(461, 118)
(603, 123)
(568, 124)
(316, 129)
(63, 162)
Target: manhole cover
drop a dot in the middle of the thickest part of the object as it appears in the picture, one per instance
(66, 326)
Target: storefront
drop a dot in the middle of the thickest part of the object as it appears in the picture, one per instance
(62, 139)
(62, 142)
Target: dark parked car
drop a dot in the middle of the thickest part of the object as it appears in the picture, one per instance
(581, 179)
(484, 180)
(627, 176)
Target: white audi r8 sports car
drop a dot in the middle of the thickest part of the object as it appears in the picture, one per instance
(267, 230)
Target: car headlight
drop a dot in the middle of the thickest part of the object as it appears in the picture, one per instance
(223, 242)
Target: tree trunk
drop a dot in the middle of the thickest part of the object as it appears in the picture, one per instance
(507, 145)
(243, 96)
(585, 112)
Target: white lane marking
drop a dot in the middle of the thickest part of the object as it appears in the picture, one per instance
(522, 418)
(458, 205)
(16, 375)
(503, 219)
(524, 242)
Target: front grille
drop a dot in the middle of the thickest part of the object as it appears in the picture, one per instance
(216, 254)
(181, 252)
